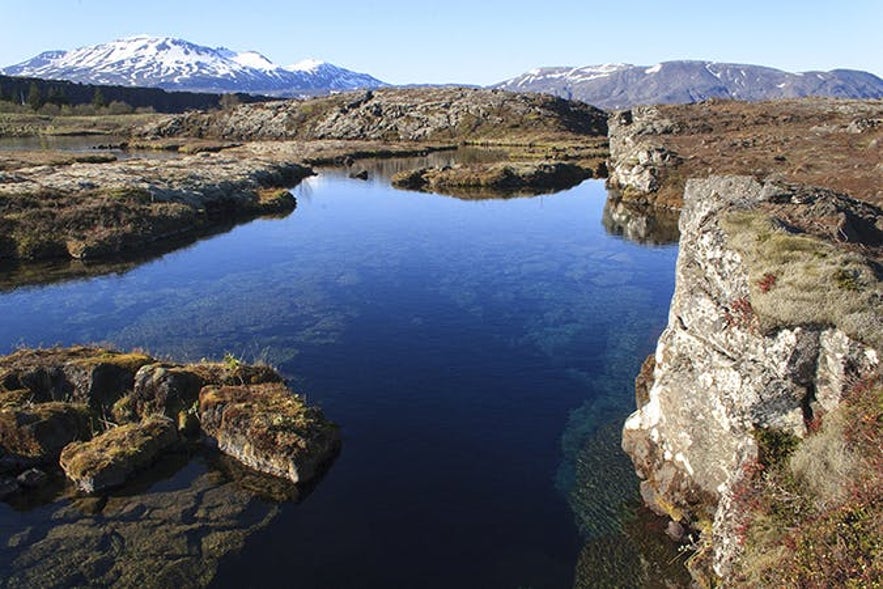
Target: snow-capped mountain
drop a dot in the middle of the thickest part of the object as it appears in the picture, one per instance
(613, 86)
(176, 64)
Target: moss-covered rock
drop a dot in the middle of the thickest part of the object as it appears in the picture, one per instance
(268, 428)
(164, 388)
(84, 374)
(108, 459)
(40, 431)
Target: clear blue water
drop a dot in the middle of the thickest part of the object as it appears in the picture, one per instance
(467, 348)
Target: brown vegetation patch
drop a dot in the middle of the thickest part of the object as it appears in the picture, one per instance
(819, 142)
(504, 177)
(40, 431)
(814, 518)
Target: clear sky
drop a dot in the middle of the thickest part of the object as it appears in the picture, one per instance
(470, 41)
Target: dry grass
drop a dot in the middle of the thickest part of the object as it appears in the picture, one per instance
(798, 279)
(816, 519)
(824, 465)
(808, 141)
(29, 124)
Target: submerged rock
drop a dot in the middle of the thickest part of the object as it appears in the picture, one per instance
(110, 458)
(33, 477)
(268, 428)
(174, 536)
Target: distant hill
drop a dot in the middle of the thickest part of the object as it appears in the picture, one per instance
(615, 86)
(16, 89)
(176, 64)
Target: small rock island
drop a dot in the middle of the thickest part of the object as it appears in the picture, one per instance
(103, 415)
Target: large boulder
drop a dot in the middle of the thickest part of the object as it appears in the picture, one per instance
(109, 459)
(268, 428)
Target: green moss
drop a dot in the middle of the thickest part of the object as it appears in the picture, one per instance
(774, 446)
(130, 361)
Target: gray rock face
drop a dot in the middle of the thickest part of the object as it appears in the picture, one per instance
(424, 114)
(637, 163)
(723, 372)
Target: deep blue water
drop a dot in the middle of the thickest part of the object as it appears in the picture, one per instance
(465, 347)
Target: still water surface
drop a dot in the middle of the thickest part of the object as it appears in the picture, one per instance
(467, 348)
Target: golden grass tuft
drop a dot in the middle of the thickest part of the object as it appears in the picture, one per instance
(798, 279)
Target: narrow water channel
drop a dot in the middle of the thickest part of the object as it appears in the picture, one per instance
(468, 349)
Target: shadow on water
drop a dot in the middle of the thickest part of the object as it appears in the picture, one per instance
(19, 273)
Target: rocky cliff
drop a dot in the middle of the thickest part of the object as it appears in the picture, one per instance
(777, 312)
(639, 163)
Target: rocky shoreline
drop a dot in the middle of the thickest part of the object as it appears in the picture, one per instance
(101, 416)
(774, 326)
(773, 336)
(238, 164)
(654, 150)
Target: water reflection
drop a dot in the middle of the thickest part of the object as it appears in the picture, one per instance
(383, 169)
(110, 144)
(641, 224)
(19, 273)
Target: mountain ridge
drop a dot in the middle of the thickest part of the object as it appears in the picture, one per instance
(176, 64)
(620, 85)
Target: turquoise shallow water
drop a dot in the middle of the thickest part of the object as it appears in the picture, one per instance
(468, 349)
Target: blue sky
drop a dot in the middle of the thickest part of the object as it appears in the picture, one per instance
(470, 41)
